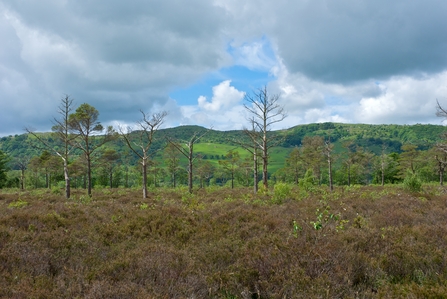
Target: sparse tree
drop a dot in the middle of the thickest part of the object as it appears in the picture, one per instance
(327, 151)
(43, 163)
(385, 168)
(294, 165)
(85, 125)
(172, 161)
(186, 148)
(78, 170)
(108, 161)
(230, 164)
(21, 163)
(408, 159)
(35, 166)
(441, 159)
(50, 164)
(252, 147)
(62, 131)
(311, 153)
(3, 168)
(441, 147)
(265, 111)
(53, 166)
(440, 112)
(245, 172)
(385, 160)
(156, 172)
(205, 172)
(355, 157)
(142, 146)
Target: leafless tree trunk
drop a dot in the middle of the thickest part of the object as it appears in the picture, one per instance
(442, 162)
(22, 164)
(172, 160)
(61, 130)
(265, 111)
(147, 128)
(255, 168)
(328, 148)
(188, 152)
(440, 151)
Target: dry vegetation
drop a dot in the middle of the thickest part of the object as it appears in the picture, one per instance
(357, 242)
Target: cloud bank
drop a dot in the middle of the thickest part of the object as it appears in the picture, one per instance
(343, 61)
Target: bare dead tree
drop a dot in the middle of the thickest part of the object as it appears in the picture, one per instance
(186, 148)
(441, 160)
(61, 131)
(327, 151)
(22, 164)
(252, 147)
(440, 112)
(265, 111)
(143, 145)
(441, 146)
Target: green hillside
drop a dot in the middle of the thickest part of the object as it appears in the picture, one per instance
(216, 144)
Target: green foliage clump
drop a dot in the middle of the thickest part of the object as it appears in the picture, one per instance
(3, 168)
(281, 192)
(56, 190)
(412, 182)
(308, 182)
(18, 204)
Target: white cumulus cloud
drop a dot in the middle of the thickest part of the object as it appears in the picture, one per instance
(224, 96)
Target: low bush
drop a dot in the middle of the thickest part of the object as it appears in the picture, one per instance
(412, 182)
(281, 192)
(224, 243)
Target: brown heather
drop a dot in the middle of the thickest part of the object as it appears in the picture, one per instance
(373, 242)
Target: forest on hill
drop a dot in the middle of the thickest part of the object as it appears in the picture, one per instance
(361, 154)
(372, 137)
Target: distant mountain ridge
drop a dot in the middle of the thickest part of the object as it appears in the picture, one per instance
(372, 137)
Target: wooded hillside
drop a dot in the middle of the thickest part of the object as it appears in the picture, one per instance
(213, 149)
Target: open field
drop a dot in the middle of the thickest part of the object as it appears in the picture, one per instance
(277, 154)
(357, 242)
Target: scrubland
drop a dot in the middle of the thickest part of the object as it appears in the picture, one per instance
(355, 242)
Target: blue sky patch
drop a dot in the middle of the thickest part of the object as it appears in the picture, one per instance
(251, 70)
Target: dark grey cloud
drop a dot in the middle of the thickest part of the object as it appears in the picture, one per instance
(343, 41)
(131, 31)
(122, 56)
(117, 56)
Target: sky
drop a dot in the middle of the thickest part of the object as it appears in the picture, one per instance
(347, 61)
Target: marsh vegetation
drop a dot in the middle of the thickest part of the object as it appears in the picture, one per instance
(218, 242)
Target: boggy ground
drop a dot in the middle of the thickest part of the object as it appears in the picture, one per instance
(357, 242)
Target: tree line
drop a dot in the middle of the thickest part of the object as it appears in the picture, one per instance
(81, 157)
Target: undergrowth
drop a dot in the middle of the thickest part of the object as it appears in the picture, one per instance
(356, 242)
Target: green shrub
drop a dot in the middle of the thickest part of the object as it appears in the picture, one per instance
(412, 183)
(144, 206)
(308, 182)
(18, 204)
(281, 192)
(56, 190)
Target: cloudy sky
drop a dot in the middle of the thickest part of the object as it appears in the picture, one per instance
(350, 61)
